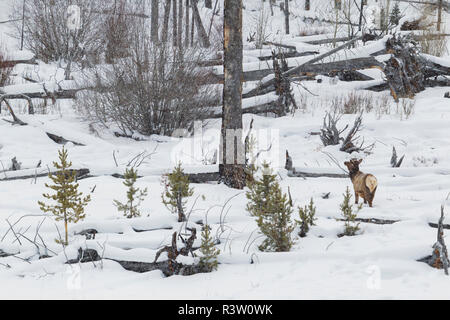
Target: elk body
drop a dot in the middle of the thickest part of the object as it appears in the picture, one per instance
(365, 185)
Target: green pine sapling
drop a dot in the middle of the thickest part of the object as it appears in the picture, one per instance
(208, 260)
(351, 227)
(272, 210)
(176, 189)
(307, 218)
(69, 205)
(135, 196)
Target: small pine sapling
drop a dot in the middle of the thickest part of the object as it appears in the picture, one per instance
(208, 260)
(351, 228)
(176, 189)
(135, 196)
(307, 218)
(69, 205)
(272, 210)
(395, 15)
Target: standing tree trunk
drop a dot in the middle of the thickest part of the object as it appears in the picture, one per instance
(307, 5)
(208, 4)
(180, 24)
(155, 21)
(200, 29)
(439, 15)
(187, 25)
(174, 23)
(286, 15)
(165, 30)
(232, 153)
(361, 15)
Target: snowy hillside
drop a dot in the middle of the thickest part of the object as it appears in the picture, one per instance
(380, 262)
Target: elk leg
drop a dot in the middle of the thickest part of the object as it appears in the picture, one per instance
(356, 198)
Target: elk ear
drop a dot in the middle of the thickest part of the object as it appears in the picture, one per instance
(360, 160)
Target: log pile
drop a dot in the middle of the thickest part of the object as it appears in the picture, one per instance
(403, 70)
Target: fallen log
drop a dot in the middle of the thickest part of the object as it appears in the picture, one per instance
(301, 67)
(79, 174)
(13, 63)
(299, 174)
(371, 221)
(204, 177)
(62, 140)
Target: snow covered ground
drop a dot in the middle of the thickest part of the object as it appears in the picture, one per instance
(380, 263)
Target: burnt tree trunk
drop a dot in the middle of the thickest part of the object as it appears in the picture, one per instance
(165, 29)
(232, 158)
(155, 21)
(174, 23)
(180, 24)
(286, 15)
(199, 24)
(307, 5)
(186, 44)
(208, 4)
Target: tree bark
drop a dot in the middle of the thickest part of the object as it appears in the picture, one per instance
(187, 25)
(208, 4)
(165, 30)
(180, 24)
(155, 21)
(307, 5)
(232, 158)
(174, 23)
(200, 28)
(286, 15)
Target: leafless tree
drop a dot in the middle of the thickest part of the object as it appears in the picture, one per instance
(156, 90)
(46, 32)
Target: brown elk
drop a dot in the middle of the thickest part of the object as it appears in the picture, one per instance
(365, 185)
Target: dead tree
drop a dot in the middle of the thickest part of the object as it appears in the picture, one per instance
(165, 28)
(180, 24)
(282, 85)
(232, 153)
(208, 4)
(330, 134)
(404, 70)
(286, 15)
(204, 39)
(307, 5)
(155, 21)
(186, 31)
(350, 144)
(439, 258)
(395, 163)
(175, 23)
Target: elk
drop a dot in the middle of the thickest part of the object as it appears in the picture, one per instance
(364, 184)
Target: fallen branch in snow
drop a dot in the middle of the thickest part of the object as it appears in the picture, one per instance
(371, 220)
(80, 174)
(169, 267)
(293, 173)
(61, 140)
(16, 120)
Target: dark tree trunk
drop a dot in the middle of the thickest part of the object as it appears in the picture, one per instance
(361, 15)
(187, 25)
(155, 21)
(165, 30)
(174, 23)
(208, 4)
(180, 24)
(307, 5)
(200, 29)
(232, 158)
(286, 15)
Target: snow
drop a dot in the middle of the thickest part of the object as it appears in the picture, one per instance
(379, 263)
